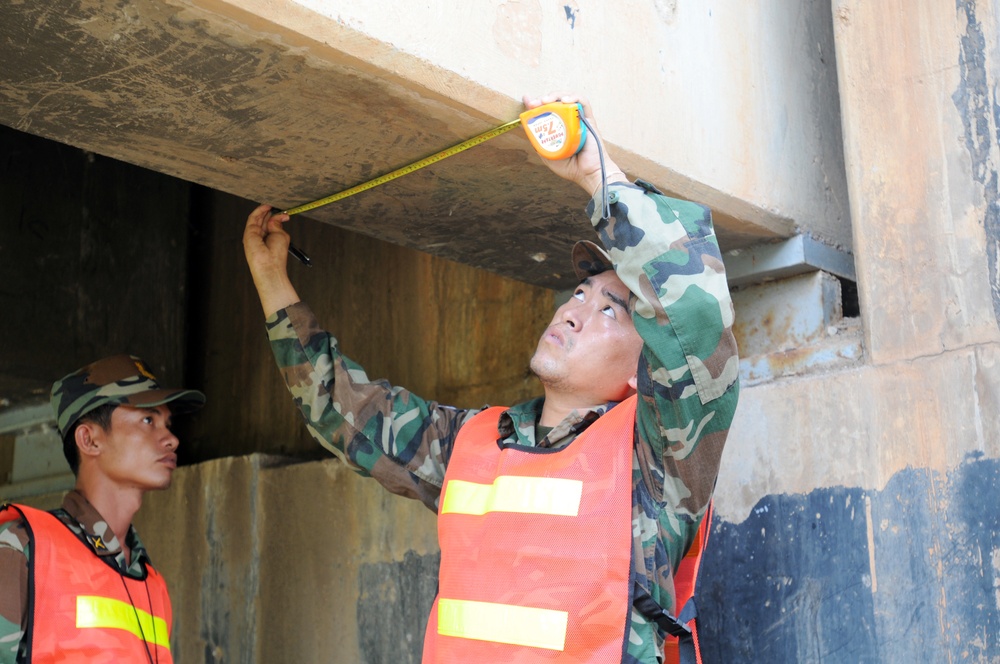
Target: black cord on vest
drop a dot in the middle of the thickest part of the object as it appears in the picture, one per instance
(145, 643)
(149, 599)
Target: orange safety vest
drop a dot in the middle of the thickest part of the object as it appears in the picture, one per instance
(80, 609)
(535, 547)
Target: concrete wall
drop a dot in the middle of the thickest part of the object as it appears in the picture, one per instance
(93, 259)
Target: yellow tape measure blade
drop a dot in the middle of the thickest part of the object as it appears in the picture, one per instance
(409, 168)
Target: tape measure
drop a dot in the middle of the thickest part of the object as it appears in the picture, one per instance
(556, 131)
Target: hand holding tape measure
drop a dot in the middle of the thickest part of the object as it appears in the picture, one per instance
(557, 130)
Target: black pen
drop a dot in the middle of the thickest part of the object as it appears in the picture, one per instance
(300, 255)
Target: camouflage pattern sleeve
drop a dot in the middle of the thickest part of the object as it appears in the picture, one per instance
(666, 252)
(13, 588)
(379, 430)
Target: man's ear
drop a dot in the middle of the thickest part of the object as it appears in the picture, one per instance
(88, 438)
(633, 382)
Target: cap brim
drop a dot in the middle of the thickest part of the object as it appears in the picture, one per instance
(590, 259)
(181, 401)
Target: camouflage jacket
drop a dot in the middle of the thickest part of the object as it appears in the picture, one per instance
(79, 515)
(666, 252)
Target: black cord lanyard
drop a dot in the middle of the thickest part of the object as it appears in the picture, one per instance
(145, 643)
(606, 208)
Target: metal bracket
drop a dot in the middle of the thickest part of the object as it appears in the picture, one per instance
(779, 260)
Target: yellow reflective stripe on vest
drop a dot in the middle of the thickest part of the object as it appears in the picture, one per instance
(107, 613)
(502, 623)
(509, 493)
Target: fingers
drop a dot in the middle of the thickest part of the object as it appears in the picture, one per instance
(265, 244)
(565, 97)
(263, 222)
(262, 214)
(256, 223)
(258, 218)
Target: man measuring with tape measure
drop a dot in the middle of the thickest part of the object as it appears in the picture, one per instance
(563, 520)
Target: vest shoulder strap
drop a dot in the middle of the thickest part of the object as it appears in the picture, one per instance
(684, 626)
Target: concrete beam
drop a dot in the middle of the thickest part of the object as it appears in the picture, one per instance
(287, 102)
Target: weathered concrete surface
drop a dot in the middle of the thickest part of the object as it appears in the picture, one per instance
(274, 101)
(906, 573)
(918, 90)
(860, 427)
(781, 152)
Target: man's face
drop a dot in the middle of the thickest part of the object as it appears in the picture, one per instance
(139, 450)
(590, 349)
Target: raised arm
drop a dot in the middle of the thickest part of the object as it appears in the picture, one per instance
(665, 251)
(379, 430)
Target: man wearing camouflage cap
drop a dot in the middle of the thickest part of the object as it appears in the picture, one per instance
(559, 515)
(76, 584)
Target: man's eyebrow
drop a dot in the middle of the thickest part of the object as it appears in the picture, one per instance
(155, 409)
(617, 300)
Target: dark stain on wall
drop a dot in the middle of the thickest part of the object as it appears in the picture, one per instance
(214, 627)
(976, 101)
(570, 16)
(393, 607)
(907, 574)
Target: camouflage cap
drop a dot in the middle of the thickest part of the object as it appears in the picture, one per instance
(590, 259)
(120, 379)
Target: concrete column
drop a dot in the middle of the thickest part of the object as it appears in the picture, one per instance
(918, 84)
(857, 507)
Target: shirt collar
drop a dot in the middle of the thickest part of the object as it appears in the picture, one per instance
(517, 424)
(88, 524)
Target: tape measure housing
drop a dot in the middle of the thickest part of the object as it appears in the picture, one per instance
(555, 130)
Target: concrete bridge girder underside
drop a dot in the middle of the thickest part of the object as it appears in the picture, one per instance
(275, 102)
